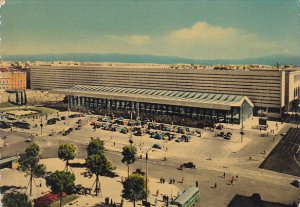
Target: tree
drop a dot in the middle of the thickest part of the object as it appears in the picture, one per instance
(16, 199)
(59, 182)
(134, 188)
(67, 152)
(30, 164)
(95, 146)
(32, 150)
(98, 165)
(129, 155)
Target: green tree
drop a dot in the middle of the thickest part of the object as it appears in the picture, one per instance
(16, 199)
(129, 155)
(33, 150)
(30, 164)
(95, 146)
(134, 188)
(61, 181)
(98, 165)
(67, 152)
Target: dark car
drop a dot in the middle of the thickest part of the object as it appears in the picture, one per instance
(63, 118)
(51, 121)
(189, 165)
(139, 172)
(66, 133)
(221, 134)
(78, 127)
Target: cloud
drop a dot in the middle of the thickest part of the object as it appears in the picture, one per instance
(203, 40)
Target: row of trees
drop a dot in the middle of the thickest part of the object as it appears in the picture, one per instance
(63, 181)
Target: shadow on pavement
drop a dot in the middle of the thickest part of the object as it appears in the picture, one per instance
(254, 201)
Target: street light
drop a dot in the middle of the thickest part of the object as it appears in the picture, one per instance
(242, 130)
(147, 175)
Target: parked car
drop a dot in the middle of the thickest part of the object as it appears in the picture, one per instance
(66, 133)
(63, 118)
(296, 183)
(157, 146)
(221, 134)
(188, 165)
(51, 121)
(139, 172)
(220, 127)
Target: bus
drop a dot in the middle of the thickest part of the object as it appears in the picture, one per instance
(187, 199)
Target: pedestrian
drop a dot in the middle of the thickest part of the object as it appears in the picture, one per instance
(224, 174)
(182, 179)
(166, 149)
(197, 184)
(173, 180)
(167, 199)
(122, 179)
(215, 185)
(157, 193)
(114, 143)
(111, 202)
(40, 184)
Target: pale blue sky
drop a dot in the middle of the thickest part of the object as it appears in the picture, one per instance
(207, 29)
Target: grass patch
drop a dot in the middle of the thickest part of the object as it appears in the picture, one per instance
(6, 104)
(39, 109)
(65, 200)
(44, 110)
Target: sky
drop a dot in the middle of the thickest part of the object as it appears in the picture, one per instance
(198, 29)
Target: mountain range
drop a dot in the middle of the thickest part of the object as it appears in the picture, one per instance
(134, 58)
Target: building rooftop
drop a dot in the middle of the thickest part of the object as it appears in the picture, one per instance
(180, 98)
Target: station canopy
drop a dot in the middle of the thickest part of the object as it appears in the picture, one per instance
(168, 97)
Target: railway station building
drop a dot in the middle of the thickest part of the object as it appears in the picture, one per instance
(219, 108)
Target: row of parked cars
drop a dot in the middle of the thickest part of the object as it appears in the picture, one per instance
(225, 135)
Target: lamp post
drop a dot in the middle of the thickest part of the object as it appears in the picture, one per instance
(242, 130)
(68, 104)
(147, 174)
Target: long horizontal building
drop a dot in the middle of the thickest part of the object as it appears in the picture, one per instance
(195, 105)
(272, 90)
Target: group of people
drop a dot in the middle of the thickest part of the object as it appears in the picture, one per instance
(162, 180)
(233, 178)
(172, 181)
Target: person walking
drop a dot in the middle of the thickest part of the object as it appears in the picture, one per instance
(224, 174)
(182, 179)
(157, 193)
(215, 185)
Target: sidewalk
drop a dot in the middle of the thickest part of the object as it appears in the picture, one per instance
(250, 123)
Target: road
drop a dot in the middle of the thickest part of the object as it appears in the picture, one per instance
(250, 180)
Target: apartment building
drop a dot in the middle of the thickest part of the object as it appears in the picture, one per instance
(12, 79)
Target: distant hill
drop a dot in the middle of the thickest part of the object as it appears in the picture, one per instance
(133, 58)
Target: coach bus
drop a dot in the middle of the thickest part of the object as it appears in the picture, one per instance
(187, 199)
